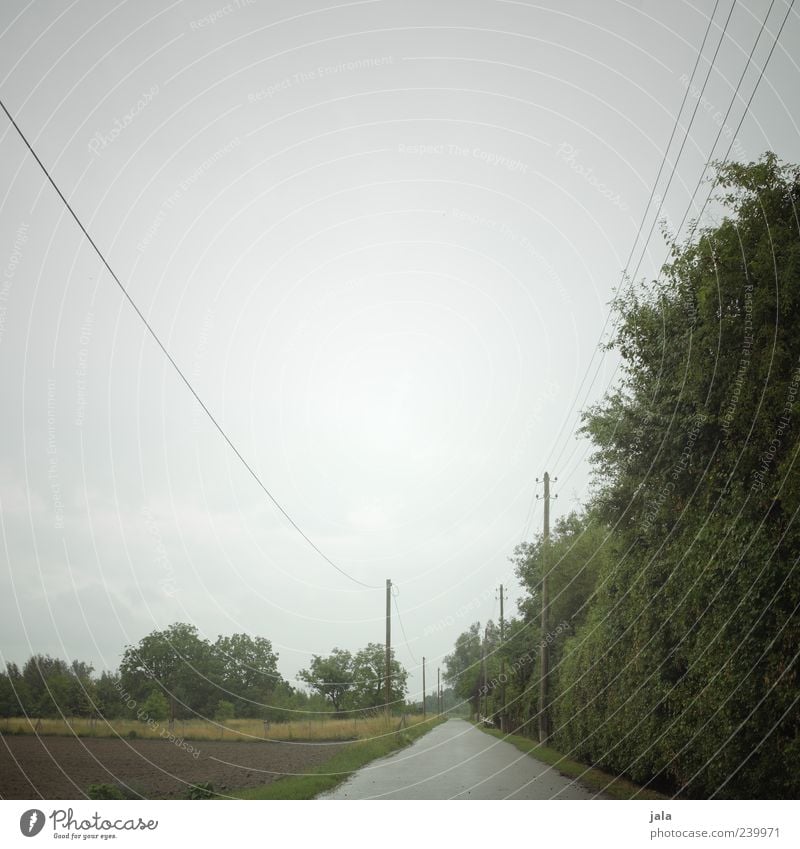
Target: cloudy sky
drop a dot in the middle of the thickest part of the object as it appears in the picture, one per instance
(380, 240)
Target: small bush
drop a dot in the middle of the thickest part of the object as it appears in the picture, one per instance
(104, 791)
(156, 706)
(202, 790)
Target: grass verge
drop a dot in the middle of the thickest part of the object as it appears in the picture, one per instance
(323, 729)
(612, 785)
(342, 765)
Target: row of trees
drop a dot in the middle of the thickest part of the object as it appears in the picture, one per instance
(675, 592)
(175, 673)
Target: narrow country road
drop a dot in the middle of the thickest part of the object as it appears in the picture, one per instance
(457, 761)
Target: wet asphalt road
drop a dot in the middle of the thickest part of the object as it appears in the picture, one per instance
(457, 761)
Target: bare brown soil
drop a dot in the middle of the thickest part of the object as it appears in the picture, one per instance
(63, 767)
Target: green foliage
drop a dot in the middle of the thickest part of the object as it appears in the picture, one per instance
(684, 673)
(196, 674)
(107, 696)
(225, 710)
(104, 791)
(369, 679)
(331, 677)
(11, 699)
(357, 682)
(155, 707)
(178, 661)
(202, 790)
(463, 668)
(248, 669)
(679, 585)
(47, 687)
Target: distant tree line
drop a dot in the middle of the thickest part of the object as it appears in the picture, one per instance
(674, 593)
(176, 674)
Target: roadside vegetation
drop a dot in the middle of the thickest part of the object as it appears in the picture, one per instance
(674, 592)
(246, 730)
(603, 782)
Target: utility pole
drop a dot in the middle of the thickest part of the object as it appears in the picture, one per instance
(502, 666)
(544, 726)
(485, 674)
(438, 691)
(423, 687)
(388, 648)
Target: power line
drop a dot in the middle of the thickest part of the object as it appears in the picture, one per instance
(722, 127)
(632, 276)
(175, 366)
(741, 120)
(402, 627)
(644, 214)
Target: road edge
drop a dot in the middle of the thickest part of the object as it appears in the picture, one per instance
(595, 779)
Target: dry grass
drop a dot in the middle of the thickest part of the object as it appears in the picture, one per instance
(201, 729)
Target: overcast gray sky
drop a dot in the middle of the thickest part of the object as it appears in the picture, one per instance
(380, 238)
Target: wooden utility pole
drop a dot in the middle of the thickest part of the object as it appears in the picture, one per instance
(423, 687)
(388, 648)
(502, 666)
(438, 691)
(544, 728)
(485, 674)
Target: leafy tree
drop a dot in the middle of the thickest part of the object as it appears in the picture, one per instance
(14, 697)
(331, 677)
(82, 689)
(356, 682)
(463, 668)
(108, 698)
(47, 682)
(182, 664)
(249, 672)
(369, 678)
(578, 544)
